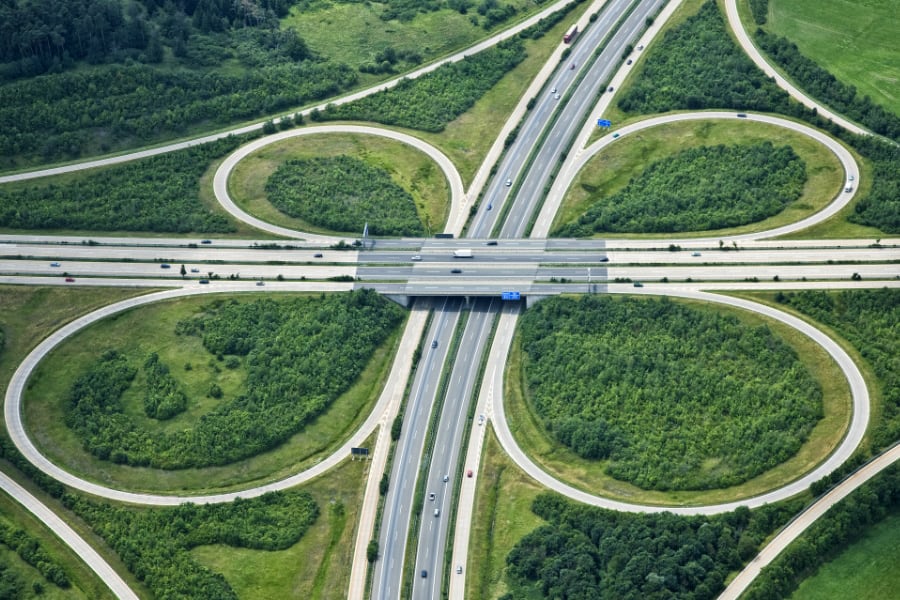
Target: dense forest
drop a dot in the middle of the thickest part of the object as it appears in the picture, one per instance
(588, 553)
(158, 194)
(675, 397)
(698, 189)
(154, 543)
(431, 101)
(679, 74)
(869, 320)
(343, 193)
(300, 355)
(838, 528)
(29, 550)
(159, 68)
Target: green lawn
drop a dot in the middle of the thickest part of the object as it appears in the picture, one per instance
(589, 475)
(866, 569)
(151, 329)
(613, 168)
(502, 516)
(316, 567)
(855, 41)
(410, 169)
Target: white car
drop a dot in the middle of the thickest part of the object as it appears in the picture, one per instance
(508, 182)
(556, 96)
(415, 258)
(553, 91)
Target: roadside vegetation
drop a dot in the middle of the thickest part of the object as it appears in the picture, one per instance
(295, 358)
(588, 552)
(344, 194)
(77, 78)
(160, 194)
(860, 51)
(697, 65)
(431, 101)
(834, 532)
(698, 189)
(14, 581)
(154, 543)
(663, 391)
(864, 569)
(868, 320)
(409, 169)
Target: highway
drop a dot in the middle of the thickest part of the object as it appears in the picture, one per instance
(538, 266)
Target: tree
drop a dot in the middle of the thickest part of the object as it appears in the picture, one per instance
(372, 551)
(183, 271)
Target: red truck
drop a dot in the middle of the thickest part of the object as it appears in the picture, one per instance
(567, 39)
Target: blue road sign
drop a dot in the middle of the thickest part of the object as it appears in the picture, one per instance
(510, 296)
(604, 123)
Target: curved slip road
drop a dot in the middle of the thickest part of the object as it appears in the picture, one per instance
(220, 181)
(571, 169)
(848, 444)
(737, 27)
(458, 56)
(390, 396)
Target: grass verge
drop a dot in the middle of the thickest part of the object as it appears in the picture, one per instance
(589, 475)
(316, 567)
(612, 169)
(409, 168)
(502, 517)
(865, 569)
(151, 329)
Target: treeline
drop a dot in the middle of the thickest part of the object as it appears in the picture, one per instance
(63, 115)
(491, 12)
(867, 319)
(343, 193)
(589, 553)
(843, 524)
(431, 101)
(301, 355)
(698, 189)
(663, 390)
(41, 35)
(697, 65)
(30, 550)
(159, 194)
(822, 85)
(154, 543)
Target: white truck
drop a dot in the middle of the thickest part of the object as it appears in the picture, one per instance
(462, 253)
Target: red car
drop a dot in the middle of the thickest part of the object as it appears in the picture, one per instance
(469, 473)
(70, 279)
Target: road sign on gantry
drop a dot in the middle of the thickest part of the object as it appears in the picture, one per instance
(510, 296)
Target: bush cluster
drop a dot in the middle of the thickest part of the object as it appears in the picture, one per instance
(588, 553)
(159, 194)
(154, 543)
(868, 320)
(343, 193)
(301, 355)
(30, 550)
(431, 101)
(677, 398)
(164, 398)
(699, 189)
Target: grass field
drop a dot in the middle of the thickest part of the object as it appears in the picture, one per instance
(410, 169)
(151, 329)
(612, 169)
(502, 516)
(855, 41)
(866, 569)
(354, 34)
(589, 474)
(316, 567)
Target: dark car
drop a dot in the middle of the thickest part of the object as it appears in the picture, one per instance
(604, 259)
(203, 281)
(456, 271)
(491, 243)
(317, 255)
(70, 279)
(165, 266)
(434, 343)
(424, 573)
(206, 241)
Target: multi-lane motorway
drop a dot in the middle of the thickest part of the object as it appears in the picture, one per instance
(429, 457)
